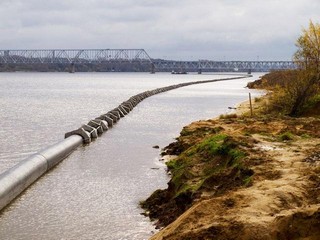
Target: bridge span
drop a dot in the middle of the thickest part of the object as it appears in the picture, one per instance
(208, 65)
(77, 57)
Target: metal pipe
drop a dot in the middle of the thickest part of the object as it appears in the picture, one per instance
(15, 180)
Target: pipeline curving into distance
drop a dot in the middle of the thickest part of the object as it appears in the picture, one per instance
(16, 179)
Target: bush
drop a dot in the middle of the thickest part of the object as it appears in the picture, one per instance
(287, 136)
(297, 92)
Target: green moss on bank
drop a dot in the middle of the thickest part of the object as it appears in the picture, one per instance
(206, 163)
(209, 161)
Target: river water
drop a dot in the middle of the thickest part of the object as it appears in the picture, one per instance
(95, 192)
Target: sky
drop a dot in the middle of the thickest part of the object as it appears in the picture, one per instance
(169, 29)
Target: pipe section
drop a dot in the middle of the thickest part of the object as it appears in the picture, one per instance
(18, 178)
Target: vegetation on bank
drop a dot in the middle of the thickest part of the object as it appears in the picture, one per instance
(287, 94)
(215, 157)
(211, 161)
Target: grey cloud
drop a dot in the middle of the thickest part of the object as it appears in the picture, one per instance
(211, 29)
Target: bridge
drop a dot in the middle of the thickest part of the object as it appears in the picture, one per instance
(207, 65)
(111, 57)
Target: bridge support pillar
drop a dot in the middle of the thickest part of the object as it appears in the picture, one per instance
(72, 68)
(153, 68)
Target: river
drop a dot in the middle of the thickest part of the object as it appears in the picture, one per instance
(95, 192)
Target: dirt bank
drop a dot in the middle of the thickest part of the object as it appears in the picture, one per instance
(242, 178)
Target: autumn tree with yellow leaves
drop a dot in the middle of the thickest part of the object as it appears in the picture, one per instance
(307, 58)
(296, 95)
(308, 54)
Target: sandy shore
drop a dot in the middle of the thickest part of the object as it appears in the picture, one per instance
(282, 200)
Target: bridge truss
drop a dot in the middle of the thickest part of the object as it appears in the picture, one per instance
(207, 65)
(140, 56)
(73, 56)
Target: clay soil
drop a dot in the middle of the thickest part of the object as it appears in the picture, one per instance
(281, 199)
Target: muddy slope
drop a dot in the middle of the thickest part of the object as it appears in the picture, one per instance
(242, 178)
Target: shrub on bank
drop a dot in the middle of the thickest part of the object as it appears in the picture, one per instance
(294, 92)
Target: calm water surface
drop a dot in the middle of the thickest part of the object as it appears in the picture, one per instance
(94, 193)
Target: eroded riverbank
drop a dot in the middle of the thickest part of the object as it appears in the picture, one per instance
(242, 178)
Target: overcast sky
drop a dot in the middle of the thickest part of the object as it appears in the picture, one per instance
(171, 29)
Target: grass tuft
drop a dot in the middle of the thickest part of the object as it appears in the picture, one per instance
(287, 136)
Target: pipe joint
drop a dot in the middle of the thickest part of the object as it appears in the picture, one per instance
(81, 132)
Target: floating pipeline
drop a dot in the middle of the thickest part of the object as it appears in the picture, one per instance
(15, 180)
